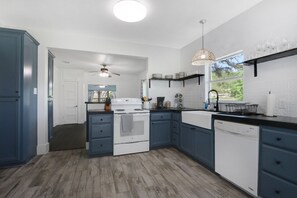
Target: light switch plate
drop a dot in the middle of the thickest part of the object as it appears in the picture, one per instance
(35, 91)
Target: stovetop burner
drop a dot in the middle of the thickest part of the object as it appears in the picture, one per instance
(138, 109)
(120, 109)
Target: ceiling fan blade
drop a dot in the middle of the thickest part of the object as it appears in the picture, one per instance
(115, 73)
(93, 71)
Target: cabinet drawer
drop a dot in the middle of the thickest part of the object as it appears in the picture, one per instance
(102, 130)
(160, 116)
(274, 187)
(100, 146)
(175, 127)
(176, 116)
(100, 118)
(280, 162)
(283, 138)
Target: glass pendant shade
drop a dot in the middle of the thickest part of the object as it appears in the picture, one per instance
(203, 56)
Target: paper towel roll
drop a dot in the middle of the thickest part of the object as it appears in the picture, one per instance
(270, 104)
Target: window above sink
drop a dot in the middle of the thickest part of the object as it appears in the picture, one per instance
(226, 76)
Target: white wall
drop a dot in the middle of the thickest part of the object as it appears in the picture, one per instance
(269, 20)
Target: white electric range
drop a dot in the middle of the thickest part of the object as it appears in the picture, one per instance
(131, 126)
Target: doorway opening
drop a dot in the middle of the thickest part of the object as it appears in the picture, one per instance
(75, 72)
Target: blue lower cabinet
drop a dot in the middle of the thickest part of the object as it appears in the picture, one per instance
(197, 143)
(175, 133)
(278, 163)
(187, 139)
(160, 134)
(100, 134)
(175, 140)
(101, 146)
(274, 187)
(204, 146)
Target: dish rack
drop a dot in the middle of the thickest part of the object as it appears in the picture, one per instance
(242, 108)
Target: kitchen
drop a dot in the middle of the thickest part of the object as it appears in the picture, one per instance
(266, 20)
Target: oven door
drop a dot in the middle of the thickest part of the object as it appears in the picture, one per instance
(139, 132)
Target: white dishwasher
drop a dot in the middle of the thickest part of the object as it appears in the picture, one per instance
(237, 154)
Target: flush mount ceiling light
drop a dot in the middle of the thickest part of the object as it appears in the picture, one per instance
(129, 10)
(203, 56)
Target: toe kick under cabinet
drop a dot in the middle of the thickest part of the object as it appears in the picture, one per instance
(100, 129)
(278, 161)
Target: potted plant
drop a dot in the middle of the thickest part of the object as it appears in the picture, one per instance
(107, 105)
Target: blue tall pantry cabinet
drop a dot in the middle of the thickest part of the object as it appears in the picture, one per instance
(18, 96)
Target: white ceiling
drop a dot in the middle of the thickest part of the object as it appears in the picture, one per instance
(91, 61)
(169, 23)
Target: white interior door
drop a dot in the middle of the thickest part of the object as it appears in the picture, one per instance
(70, 102)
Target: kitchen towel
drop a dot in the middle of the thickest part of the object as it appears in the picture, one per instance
(127, 123)
(270, 104)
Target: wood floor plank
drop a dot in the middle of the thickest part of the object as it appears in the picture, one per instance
(154, 174)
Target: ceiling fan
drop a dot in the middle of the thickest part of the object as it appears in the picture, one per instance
(104, 72)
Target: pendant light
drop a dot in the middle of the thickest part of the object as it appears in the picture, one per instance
(203, 56)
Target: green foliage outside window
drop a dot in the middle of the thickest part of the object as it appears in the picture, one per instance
(227, 77)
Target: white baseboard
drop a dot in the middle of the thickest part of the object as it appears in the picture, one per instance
(42, 149)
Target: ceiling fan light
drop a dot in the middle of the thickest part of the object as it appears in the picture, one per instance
(129, 11)
(203, 57)
(103, 74)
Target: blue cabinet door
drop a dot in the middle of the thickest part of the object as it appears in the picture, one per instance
(187, 139)
(9, 131)
(204, 146)
(175, 134)
(160, 133)
(10, 64)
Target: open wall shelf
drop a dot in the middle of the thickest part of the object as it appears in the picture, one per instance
(179, 79)
(270, 57)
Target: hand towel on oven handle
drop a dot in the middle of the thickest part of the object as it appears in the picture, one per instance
(126, 123)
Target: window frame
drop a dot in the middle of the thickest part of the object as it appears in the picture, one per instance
(208, 71)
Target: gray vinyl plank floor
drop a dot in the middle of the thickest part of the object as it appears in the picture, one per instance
(157, 173)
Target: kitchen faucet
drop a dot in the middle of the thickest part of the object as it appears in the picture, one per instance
(217, 98)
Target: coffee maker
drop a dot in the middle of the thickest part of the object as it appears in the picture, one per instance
(160, 101)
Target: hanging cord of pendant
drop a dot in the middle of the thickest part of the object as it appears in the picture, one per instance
(202, 22)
